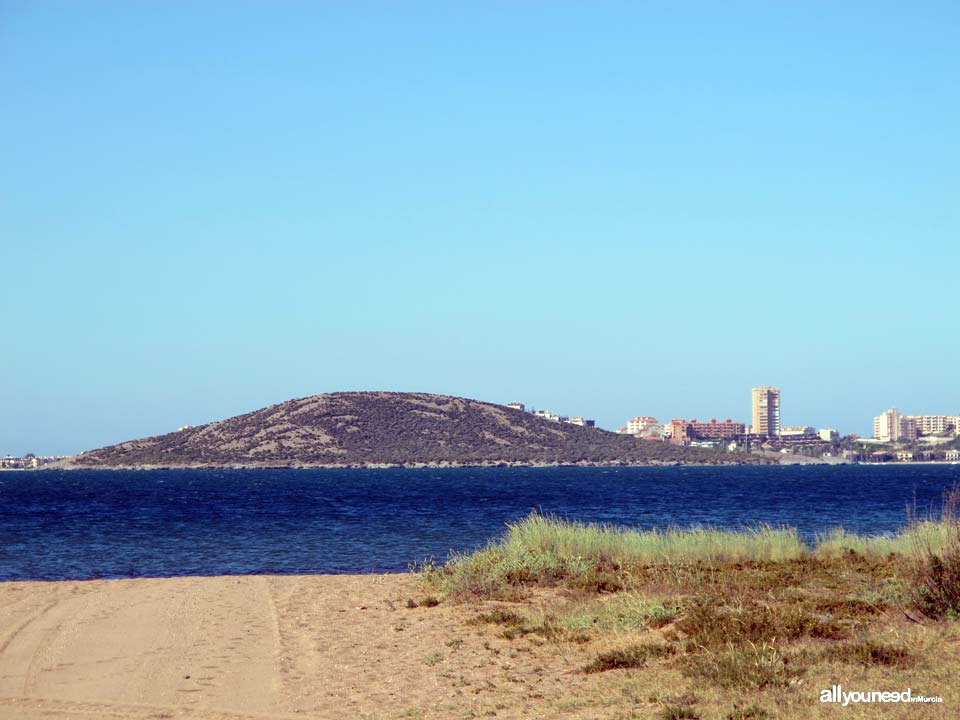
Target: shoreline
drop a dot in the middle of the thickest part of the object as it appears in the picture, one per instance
(459, 466)
(409, 466)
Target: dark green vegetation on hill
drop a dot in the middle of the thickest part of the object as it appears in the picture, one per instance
(373, 428)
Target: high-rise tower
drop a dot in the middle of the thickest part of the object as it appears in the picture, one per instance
(766, 411)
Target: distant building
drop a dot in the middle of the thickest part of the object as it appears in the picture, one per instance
(517, 406)
(547, 415)
(11, 463)
(891, 426)
(582, 422)
(887, 426)
(829, 434)
(798, 435)
(640, 424)
(683, 431)
(904, 456)
(794, 430)
(710, 444)
(715, 430)
(935, 424)
(678, 431)
(952, 456)
(655, 432)
(765, 415)
(908, 429)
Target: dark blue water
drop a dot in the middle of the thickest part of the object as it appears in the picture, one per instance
(108, 524)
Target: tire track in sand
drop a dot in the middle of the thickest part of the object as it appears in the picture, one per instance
(44, 709)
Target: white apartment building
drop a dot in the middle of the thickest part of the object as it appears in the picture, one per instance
(892, 426)
(765, 415)
(934, 424)
(886, 426)
(640, 425)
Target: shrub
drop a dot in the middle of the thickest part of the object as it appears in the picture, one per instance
(935, 563)
(631, 657)
(711, 625)
(678, 712)
(497, 617)
(752, 712)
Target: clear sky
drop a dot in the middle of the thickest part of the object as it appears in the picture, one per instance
(606, 209)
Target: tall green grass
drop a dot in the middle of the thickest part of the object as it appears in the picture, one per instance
(839, 542)
(543, 549)
(549, 537)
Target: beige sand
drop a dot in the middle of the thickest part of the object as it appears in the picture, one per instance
(260, 647)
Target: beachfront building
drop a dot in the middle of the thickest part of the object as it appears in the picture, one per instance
(891, 426)
(716, 430)
(640, 424)
(765, 414)
(886, 426)
(829, 434)
(934, 424)
(683, 431)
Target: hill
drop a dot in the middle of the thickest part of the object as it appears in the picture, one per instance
(381, 428)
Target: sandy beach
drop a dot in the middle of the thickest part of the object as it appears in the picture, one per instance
(226, 648)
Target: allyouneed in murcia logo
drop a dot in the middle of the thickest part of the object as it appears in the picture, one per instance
(836, 694)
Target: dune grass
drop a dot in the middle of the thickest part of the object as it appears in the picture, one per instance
(544, 550)
(837, 542)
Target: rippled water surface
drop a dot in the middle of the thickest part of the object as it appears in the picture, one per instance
(93, 524)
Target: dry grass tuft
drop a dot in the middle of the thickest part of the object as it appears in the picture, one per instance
(871, 652)
(634, 656)
(497, 617)
(750, 667)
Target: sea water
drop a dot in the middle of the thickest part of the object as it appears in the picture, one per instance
(111, 524)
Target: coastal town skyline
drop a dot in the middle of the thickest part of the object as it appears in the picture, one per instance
(765, 414)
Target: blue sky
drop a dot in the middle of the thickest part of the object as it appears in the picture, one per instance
(607, 209)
